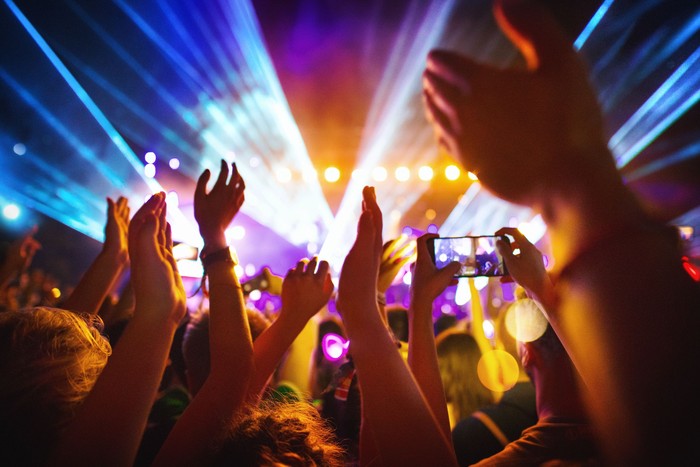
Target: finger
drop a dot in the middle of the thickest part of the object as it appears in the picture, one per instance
(370, 197)
(236, 178)
(223, 174)
(447, 273)
(519, 237)
(149, 206)
(167, 246)
(453, 68)
(441, 121)
(162, 224)
(505, 250)
(445, 94)
(323, 269)
(201, 189)
(300, 266)
(111, 208)
(534, 31)
(122, 204)
(311, 265)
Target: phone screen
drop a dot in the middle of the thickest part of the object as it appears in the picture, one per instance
(477, 255)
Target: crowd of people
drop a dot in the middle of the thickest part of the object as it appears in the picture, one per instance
(142, 380)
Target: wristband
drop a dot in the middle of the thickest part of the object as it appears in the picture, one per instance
(223, 254)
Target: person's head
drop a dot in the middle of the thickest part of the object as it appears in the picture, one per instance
(443, 323)
(543, 352)
(49, 361)
(282, 434)
(398, 322)
(195, 345)
(458, 359)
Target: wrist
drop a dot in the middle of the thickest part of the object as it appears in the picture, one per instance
(117, 255)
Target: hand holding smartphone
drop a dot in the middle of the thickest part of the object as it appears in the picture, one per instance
(477, 255)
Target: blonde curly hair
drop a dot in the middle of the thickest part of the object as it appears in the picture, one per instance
(280, 433)
(49, 361)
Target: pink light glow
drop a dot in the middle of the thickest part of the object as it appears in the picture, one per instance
(334, 346)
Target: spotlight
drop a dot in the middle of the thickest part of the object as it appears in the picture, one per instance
(425, 173)
(19, 149)
(149, 170)
(402, 174)
(331, 174)
(174, 163)
(150, 157)
(11, 212)
(452, 172)
(379, 174)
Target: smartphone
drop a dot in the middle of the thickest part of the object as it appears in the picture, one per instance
(478, 255)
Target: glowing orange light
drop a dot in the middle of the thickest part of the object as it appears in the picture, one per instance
(425, 173)
(452, 172)
(331, 174)
(507, 374)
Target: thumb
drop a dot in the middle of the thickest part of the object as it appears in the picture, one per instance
(534, 31)
(449, 271)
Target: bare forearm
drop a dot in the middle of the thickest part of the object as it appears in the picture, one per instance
(391, 398)
(423, 360)
(229, 331)
(114, 415)
(621, 286)
(268, 350)
(96, 283)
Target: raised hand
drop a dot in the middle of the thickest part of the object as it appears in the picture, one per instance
(113, 416)
(215, 210)
(520, 131)
(116, 229)
(97, 282)
(429, 281)
(396, 253)
(403, 428)
(357, 287)
(19, 256)
(158, 287)
(306, 289)
(526, 268)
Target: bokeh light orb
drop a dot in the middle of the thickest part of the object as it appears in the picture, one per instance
(525, 320)
(507, 370)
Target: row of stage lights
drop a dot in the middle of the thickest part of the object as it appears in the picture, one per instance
(333, 174)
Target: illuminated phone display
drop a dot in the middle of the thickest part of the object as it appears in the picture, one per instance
(477, 255)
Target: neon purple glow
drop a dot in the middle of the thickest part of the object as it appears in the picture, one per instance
(334, 347)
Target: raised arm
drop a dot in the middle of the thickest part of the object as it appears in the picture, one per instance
(396, 253)
(527, 267)
(108, 427)
(223, 393)
(427, 284)
(404, 430)
(18, 257)
(98, 280)
(305, 290)
(535, 137)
